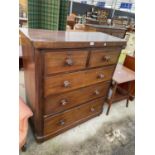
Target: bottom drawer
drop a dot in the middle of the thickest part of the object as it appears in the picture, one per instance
(64, 120)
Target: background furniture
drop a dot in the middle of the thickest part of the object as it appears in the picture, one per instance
(129, 62)
(112, 30)
(121, 21)
(22, 21)
(24, 114)
(121, 75)
(91, 21)
(67, 76)
(20, 57)
(71, 20)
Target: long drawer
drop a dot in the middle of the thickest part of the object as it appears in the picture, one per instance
(66, 82)
(60, 102)
(62, 61)
(103, 57)
(63, 120)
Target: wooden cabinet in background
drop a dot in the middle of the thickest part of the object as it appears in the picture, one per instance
(116, 31)
(67, 77)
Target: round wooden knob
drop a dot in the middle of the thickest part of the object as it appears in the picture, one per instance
(66, 84)
(61, 122)
(101, 76)
(69, 62)
(106, 58)
(92, 109)
(63, 102)
(97, 92)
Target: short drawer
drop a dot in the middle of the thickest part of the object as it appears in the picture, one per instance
(63, 120)
(70, 81)
(107, 56)
(62, 61)
(60, 102)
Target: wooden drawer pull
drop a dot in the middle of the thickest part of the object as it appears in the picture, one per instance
(106, 58)
(61, 122)
(101, 76)
(92, 109)
(69, 62)
(66, 84)
(97, 92)
(63, 102)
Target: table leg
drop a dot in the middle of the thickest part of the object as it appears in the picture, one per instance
(109, 106)
(127, 102)
(129, 86)
(110, 98)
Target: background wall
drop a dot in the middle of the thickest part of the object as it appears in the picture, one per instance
(81, 9)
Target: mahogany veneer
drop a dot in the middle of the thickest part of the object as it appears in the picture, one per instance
(67, 76)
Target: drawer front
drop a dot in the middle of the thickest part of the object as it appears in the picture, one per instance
(60, 61)
(108, 56)
(70, 81)
(60, 102)
(63, 120)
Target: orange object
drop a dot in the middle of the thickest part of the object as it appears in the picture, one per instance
(24, 114)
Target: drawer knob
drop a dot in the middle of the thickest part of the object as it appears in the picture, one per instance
(101, 76)
(66, 84)
(69, 62)
(106, 58)
(61, 122)
(92, 109)
(63, 102)
(97, 92)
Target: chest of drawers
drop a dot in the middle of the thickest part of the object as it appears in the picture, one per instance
(67, 77)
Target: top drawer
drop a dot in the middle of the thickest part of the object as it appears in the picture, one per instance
(103, 57)
(62, 61)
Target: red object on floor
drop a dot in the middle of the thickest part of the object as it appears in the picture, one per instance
(24, 114)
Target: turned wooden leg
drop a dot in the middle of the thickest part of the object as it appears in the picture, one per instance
(24, 148)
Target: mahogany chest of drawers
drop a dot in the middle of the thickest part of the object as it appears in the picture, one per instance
(67, 76)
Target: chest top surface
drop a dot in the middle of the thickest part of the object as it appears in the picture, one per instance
(46, 38)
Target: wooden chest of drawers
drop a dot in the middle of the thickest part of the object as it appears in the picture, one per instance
(67, 77)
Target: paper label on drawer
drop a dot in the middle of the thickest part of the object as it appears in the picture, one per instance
(92, 43)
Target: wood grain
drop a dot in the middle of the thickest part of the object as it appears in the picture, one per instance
(54, 103)
(63, 120)
(103, 57)
(55, 84)
(56, 62)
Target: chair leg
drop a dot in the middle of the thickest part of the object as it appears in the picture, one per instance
(109, 106)
(24, 148)
(127, 102)
(107, 113)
